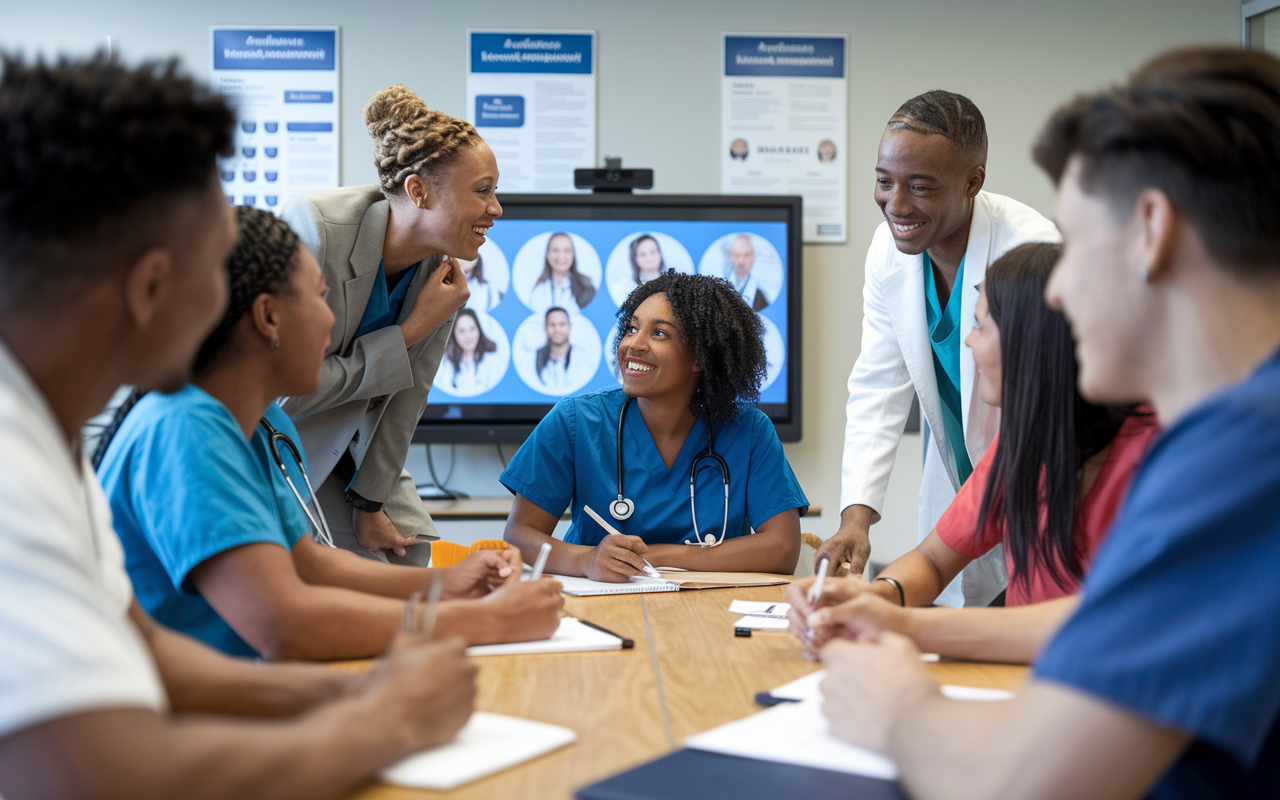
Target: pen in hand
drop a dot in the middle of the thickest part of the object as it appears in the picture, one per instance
(541, 563)
(409, 618)
(815, 591)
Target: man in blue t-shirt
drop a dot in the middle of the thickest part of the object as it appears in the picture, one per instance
(1166, 681)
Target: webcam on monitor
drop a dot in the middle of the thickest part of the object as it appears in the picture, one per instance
(613, 178)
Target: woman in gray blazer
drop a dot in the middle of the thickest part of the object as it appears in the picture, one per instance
(388, 252)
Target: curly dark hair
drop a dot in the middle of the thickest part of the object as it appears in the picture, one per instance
(92, 156)
(726, 336)
(261, 263)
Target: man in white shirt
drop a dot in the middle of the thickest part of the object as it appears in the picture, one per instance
(742, 261)
(922, 272)
(113, 238)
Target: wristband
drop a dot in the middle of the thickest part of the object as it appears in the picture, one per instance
(360, 504)
(902, 596)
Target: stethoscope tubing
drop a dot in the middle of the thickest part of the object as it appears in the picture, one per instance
(623, 507)
(319, 525)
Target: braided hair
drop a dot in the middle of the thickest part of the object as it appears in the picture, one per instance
(725, 335)
(261, 263)
(410, 139)
(947, 114)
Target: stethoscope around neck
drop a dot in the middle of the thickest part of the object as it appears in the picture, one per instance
(623, 507)
(319, 524)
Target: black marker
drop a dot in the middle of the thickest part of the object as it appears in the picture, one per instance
(627, 644)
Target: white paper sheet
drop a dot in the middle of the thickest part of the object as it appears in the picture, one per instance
(488, 743)
(756, 608)
(571, 637)
(762, 623)
(806, 688)
(793, 733)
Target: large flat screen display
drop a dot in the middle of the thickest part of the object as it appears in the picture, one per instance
(545, 293)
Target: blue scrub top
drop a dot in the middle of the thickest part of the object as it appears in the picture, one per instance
(185, 485)
(571, 459)
(944, 335)
(383, 308)
(1178, 619)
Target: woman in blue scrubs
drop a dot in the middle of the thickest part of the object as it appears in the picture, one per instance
(692, 359)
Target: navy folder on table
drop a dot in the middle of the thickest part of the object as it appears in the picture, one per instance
(698, 775)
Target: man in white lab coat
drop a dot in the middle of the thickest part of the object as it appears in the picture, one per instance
(940, 233)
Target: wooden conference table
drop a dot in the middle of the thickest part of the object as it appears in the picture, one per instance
(687, 673)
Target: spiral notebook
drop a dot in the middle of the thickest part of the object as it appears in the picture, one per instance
(672, 580)
(585, 587)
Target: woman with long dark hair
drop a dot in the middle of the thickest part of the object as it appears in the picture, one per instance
(469, 366)
(1047, 490)
(646, 259)
(484, 295)
(561, 284)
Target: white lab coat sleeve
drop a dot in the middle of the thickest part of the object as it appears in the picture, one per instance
(880, 393)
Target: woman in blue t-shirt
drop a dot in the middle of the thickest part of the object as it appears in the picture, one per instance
(215, 540)
(676, 460)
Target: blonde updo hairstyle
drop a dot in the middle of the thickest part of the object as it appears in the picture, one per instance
(410, 139)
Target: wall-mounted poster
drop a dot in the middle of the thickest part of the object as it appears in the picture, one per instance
(532, 96)
(283, 83)
(785, 125)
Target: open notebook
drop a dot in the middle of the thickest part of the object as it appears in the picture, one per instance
(671, 581)
(488, 743)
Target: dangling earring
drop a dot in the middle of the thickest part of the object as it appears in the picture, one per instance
(275, 343)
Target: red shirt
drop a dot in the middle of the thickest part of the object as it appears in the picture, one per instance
(957, 525)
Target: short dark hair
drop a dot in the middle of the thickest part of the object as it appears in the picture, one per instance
(92, 154)
(1201, 125)
(947, 114)
(547, 316)
(726, 336)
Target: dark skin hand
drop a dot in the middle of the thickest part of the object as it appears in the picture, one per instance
(925, 187)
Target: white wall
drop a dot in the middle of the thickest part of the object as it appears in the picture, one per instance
(659, 107)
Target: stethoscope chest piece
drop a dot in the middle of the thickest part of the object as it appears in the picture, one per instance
(622, 508)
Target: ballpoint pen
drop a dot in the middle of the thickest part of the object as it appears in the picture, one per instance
(648, 568)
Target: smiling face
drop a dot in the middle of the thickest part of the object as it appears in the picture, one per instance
(648, 259)
(557, 328)
(560, 254)
(984, 341)
(653, 355)
(466, 333)
(462, 203)
(925, 186)
(1099, 285)
(305, 323)
(742, 255)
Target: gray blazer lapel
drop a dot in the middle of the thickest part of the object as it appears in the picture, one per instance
(366, 255)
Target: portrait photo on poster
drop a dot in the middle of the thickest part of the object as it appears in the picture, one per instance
(639, 258)
(476, 357)
(750, 262)
(488, 276)
(556, 352)
(556, 268)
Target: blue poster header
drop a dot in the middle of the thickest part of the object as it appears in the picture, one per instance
(238, 48)
(564, 53)
(499, 111)
(784, 57)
